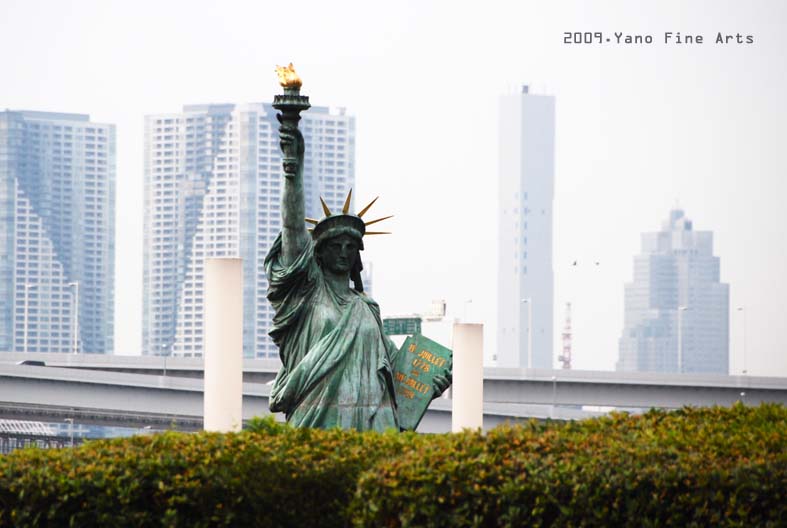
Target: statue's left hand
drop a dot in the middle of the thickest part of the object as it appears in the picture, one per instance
(440, 383)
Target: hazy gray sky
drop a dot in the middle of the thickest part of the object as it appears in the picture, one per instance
(639, 129)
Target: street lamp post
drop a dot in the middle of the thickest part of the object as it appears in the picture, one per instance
(529, 302)
(681, 309)
(75, 284)
(743, 311)
(164, 353)
(28, 286)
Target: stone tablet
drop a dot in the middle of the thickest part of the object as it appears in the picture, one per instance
(419, 360)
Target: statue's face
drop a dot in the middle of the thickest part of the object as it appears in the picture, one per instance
(339, 253)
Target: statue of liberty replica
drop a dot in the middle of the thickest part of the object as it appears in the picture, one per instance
(338, 366)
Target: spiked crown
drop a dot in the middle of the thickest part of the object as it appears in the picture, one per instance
(345, 223)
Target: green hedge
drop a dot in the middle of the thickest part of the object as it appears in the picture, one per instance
(693, 467)
(275, 476)
(701, 467)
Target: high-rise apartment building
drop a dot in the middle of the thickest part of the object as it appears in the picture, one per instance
(213, 184)
(525, 277)
(676, 309)
(57, 233)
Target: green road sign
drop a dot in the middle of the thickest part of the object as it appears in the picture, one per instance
(402, 325)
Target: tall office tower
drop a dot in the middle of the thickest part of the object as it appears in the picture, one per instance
(676, 310)
(525, 289)
(57, 233)
(213, 184)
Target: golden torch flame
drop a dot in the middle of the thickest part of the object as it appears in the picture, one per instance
(287, 76)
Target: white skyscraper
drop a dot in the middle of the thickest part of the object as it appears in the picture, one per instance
(57, 233)
(525, 277)
(213, 189)
(676, 310)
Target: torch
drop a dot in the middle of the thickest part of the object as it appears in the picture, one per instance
(290, 104)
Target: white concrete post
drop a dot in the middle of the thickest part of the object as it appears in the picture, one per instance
(223, 324)
(467, 406)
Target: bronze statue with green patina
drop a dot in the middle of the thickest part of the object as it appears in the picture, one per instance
(337, 363)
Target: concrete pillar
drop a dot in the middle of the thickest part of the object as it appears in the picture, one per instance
(467, 406)
(223, 326)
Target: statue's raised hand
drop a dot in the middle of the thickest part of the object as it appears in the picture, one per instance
(292, 147)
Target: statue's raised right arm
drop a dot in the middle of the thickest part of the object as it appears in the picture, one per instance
(294, 233)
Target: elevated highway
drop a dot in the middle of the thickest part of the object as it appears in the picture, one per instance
(134, 392)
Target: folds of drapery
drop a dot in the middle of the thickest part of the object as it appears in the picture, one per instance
(332, 375)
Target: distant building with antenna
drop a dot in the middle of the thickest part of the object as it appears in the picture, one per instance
(676, 308)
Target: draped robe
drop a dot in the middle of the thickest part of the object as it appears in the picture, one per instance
(336, 359)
